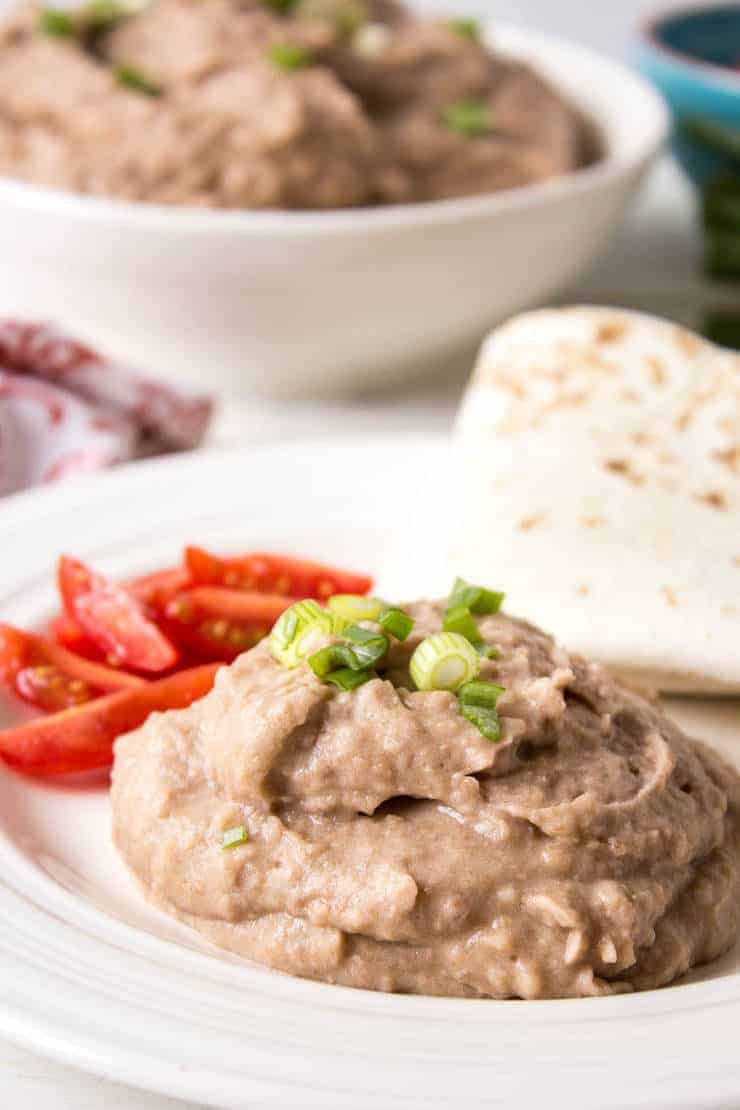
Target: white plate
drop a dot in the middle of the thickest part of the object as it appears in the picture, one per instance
(91, 975)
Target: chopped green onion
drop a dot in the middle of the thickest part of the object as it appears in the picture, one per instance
(332, 658)
(396, 623)
(471, 118)
(282, 6)
(368, 646)
(459, 619)
(134, 79)
(485, 720)
(478, 701)
(347, 679)
(477, 599)
(103, 13)
(54, 21)
(466, 28)
(444, 661)
(297, 630)
(235, 836)
(353, 607)
(346, 15)
(479, 693)
(289, 55)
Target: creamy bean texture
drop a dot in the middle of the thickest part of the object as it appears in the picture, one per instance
(239, 104)
(593, 850)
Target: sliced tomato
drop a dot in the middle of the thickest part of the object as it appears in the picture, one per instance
(157, 588)
(277, 574)
(113, 619)
(81, 738)
(49, 676)
(220, 624)
(66, 632)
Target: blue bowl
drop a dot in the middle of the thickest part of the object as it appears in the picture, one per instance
(693, 56)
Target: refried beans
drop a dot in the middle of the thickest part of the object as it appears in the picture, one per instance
(239, 104)
(390, 845)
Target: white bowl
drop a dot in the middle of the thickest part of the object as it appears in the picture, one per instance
(292, 302)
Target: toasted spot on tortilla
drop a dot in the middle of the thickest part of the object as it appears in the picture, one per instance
(527, 523)
(593, 521)
(670, 595)
(623, 468)
(686, 342)
(611, 330)
(730, 457)
(714, 498)
(657, 370)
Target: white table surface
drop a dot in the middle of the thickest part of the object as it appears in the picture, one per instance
(652, 265)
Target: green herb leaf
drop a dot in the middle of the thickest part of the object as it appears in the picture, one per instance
(235, 836)
(347, 679)
(289, 56)
(55, 22)
(472, 118)
(476, 598)
(396, 623)
(134, 79)
(485, 720)
(368, 646)
(481, 694)
(466, 28)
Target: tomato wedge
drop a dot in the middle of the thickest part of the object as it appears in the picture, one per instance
(213, 623)
(157, 588)
(49, 676)
(113, 619)
(277, 574)
(66, 632)
(81, 738)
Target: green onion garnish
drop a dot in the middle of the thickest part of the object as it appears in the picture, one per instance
(347, 679)
(396, 623)
(235, 836)
(103, 13)
(485, 720)
(476, 598)
(478, 701)
(297, 630)
(134, 79)
(721, 202)
(289, 55)
(722, 254)
(354, 607)
(459, 619)
(479, 693)
(466, 28)
(368, 646)
(470, 117)
(54, 21)
(444, 661)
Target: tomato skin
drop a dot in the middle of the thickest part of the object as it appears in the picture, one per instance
(66, 632)
(157, 588)
(276, 574)
(212, 623)
(81, 738)
(113, 619)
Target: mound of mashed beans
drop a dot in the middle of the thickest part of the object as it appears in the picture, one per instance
(388, 844)
(273, 104)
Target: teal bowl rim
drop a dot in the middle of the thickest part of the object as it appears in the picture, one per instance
(651, 35)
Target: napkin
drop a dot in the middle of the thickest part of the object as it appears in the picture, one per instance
(66, 409)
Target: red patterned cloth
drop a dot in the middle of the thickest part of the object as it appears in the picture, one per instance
(64, 409)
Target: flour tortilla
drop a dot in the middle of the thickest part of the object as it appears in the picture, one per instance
(601, 489)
